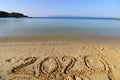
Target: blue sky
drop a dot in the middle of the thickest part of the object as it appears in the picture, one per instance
(91, 8)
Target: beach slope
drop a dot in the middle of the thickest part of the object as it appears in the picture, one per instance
(63, 61)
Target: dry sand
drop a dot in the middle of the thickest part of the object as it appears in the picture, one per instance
(81, 59)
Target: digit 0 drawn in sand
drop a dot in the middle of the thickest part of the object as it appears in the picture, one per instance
(98, 65)
(95, 63)
(49, 67)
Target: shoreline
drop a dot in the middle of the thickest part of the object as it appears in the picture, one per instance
(60, 40)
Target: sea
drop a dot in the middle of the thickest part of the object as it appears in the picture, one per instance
(55, 26)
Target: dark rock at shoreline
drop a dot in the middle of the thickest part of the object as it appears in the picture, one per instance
(13, 14)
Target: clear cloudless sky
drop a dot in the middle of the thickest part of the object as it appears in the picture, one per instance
(87, 8)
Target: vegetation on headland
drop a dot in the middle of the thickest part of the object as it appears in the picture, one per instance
(4, 14)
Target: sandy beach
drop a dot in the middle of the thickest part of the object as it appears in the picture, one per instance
(84, 58)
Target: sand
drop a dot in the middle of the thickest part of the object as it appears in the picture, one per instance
(82, 59)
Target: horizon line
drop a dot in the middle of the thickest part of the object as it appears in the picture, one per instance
(73, 17)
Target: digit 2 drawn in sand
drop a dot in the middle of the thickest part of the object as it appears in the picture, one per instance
(17, 73)
(27, 62)
(70, 64)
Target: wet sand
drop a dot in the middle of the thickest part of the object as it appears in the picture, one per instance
(60, 58)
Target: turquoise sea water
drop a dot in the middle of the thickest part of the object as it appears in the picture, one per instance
(10, 27)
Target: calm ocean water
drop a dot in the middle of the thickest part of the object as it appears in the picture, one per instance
(10, 27)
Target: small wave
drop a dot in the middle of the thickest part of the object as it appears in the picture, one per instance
(31, 43)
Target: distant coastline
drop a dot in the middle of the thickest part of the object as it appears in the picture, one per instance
(4, 14)
(66, 17)
(118, 18)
